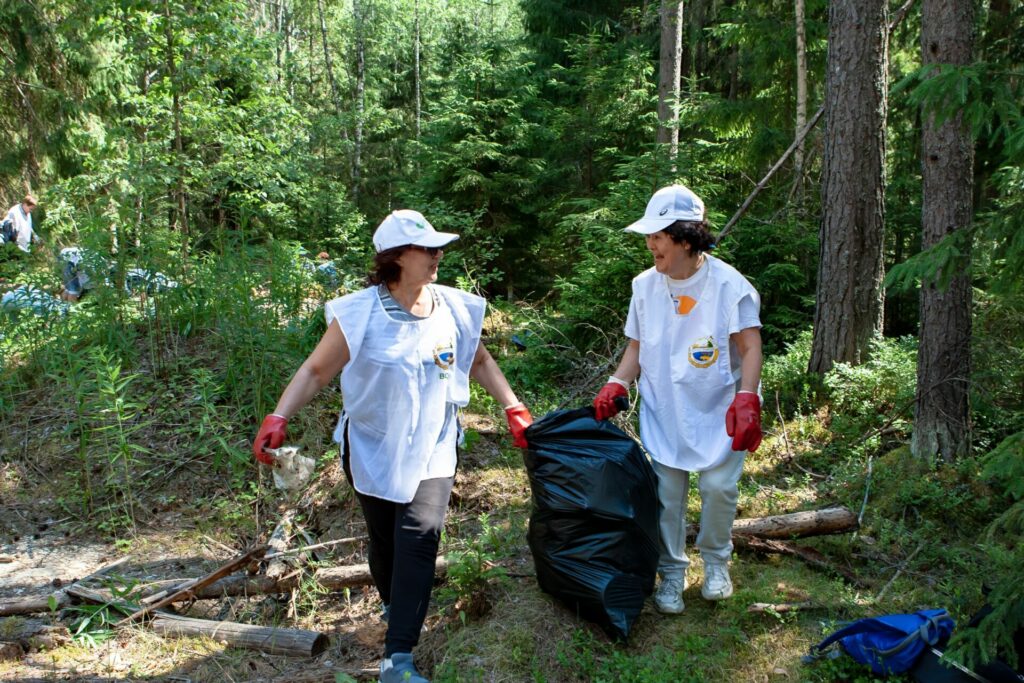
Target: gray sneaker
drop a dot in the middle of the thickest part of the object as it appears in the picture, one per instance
(398, 668)
(717, 584)
(669, 596)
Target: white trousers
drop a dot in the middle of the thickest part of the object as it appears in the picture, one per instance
(718, 496)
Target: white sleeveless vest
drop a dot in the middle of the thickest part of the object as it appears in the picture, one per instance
(689, 369)
(397, 385)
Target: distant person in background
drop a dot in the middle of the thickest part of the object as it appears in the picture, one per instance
(76, 279)
(406, 349)
(695, 344)
(17, 225)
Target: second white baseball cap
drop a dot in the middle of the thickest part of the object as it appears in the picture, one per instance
(407, 227)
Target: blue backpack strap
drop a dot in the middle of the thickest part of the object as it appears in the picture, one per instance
(930, 631)
(860, 626)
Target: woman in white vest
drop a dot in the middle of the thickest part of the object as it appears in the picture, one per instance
(695, 344)
(406, 349)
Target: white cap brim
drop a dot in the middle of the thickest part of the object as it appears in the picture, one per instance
(649, 226)
(435, 239)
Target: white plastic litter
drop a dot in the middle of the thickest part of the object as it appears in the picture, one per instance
(291, 471)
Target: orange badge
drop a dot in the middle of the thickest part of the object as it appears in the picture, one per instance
(684, 304)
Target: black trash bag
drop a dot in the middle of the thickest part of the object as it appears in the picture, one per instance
(594, 525)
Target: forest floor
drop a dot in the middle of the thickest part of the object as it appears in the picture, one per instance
(491, 622)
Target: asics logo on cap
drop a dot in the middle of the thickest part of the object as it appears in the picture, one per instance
(663, 211)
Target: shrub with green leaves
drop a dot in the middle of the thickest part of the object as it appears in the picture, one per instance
(880, 391)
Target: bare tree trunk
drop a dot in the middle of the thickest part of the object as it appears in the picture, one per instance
(279, 42)
(801, 94)
(850, 268)
(323, 32)
(181, 207)
(287, 20)
(327, 59)
(357, 150)
(942, 419)
(668, 78)
(416, 64)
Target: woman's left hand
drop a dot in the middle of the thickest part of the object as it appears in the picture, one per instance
(743, 421)
(519, 419)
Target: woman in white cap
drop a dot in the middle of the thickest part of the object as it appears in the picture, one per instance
(406, 349)
(695, 344)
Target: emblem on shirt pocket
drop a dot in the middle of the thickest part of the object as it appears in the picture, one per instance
(444, 355)
(703, 353)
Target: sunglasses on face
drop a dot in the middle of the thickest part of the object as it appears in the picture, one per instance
(431, 251)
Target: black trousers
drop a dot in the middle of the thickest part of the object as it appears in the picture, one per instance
(403, 549)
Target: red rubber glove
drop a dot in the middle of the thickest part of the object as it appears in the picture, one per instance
(743, 422)
(604, 403)
(271, 435)
(519, 419)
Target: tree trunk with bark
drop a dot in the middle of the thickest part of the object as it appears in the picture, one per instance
(849, 292)
(328, 66)
(668, 79)
(416, 65)
(180, 220)
(358, 11)
(942, 420)
(801, 93)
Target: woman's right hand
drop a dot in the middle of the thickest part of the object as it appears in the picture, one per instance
(271, 435)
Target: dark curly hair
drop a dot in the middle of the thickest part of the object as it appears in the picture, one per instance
(385, 266)
(694, 232)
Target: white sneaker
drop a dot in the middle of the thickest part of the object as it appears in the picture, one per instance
(717, 584)
(669, 596)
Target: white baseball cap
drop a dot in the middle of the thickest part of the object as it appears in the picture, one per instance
(668, 205)
(407, 227)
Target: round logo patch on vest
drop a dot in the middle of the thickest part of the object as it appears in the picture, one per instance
(444, 355)
(703, 353)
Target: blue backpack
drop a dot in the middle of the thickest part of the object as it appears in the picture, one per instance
(889, 644)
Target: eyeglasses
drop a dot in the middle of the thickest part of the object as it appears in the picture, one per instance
(431, 251)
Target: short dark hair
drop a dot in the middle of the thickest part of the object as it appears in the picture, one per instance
(694, 232)
(385, 266)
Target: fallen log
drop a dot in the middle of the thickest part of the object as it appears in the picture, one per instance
(33, 604)
(292, 642)
(837, 520)
(278, 641)
(186, 593)
(36, 604)
(331, 578)
(781, 607)
(18, 636)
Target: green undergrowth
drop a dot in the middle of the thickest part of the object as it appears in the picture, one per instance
(139, 409)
